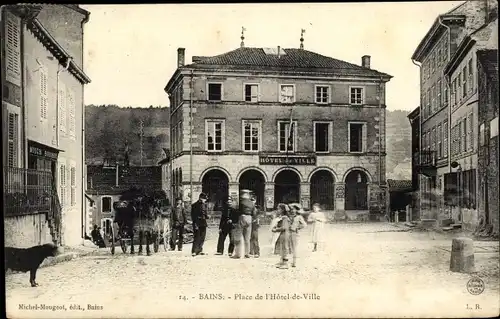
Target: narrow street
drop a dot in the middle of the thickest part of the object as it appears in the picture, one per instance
(364, 270)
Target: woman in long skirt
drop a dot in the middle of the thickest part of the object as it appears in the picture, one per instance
(318, 219)
(283, 209)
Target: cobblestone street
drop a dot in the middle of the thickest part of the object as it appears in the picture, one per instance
(363, 270)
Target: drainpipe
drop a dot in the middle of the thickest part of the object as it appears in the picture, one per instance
(448, 93)
(191, 88)
(84, 184)
(419, 141)
(68, 60)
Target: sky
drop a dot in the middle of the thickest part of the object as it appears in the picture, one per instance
(131, 50)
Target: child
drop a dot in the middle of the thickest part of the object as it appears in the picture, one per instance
(297, 223)
(274, 223)
(318, 219)
(282, 245)
(254, 235)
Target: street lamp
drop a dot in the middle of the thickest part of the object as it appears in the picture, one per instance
(458, 167)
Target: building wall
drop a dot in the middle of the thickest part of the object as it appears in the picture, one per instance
(49, 131)
(97, 213)
(65, 25)
(26, 231)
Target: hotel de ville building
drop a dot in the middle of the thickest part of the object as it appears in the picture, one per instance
(290, 124)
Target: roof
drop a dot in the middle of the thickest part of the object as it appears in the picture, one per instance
(103, 180)
(414, 114)
(485, 37)
(293, 60)
(396, 185)
(489, 59)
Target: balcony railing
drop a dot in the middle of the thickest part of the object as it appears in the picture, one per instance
(426, 158)
(27, 191)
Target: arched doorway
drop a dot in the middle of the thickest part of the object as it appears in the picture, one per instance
(286, 187)
(356, 191)
(323, 189)
(215, 184)
(253, 180)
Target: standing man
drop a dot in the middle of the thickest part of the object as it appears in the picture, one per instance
(177, 219)
(199, 216)
(245, 223)
(226, 227)
(254, 237)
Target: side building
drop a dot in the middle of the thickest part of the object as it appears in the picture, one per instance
(43, 132)
(289, 124)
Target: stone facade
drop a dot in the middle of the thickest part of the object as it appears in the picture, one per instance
(188, 93)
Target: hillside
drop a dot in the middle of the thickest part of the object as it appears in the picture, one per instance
(111, 129)
(398, 139)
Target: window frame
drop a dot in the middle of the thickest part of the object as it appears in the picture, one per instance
(329, 135)
(223, 134)
(62, 182)
(329, 95)
(259, 142)
(12, 51)
(364, 134)
(363, 92)
(280, 100)
(72, 182)
(110, 204)
(286, 139)
(62, 108)
(221, 91)
(244, 92)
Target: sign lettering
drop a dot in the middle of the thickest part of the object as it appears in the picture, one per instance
(290, 160)
(41, 152)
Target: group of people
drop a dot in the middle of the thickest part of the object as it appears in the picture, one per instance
(241, 224)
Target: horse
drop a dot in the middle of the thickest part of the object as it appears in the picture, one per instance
(162, 226)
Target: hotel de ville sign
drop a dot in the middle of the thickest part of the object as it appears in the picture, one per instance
(287, 160)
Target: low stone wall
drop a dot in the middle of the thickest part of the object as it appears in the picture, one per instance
(26, 231)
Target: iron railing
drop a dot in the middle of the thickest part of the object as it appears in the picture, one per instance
(27, 191)
(425, 158)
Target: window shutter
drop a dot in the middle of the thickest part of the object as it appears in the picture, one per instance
(12, 139)
(72, 111)
(13, 49)
(364, 139)
(44, 102)
(62, 107)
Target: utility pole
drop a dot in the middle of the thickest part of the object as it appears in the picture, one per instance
(141, 134)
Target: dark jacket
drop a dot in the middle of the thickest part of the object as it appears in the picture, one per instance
(178, 216)
(199, 214)
(228, 217)
(247, 207)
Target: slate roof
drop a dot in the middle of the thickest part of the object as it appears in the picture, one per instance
(102, 180)
(399, 185)
(293, 60)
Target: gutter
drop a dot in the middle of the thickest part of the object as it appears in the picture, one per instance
(419, 139)
(191, 88)
(84, 177)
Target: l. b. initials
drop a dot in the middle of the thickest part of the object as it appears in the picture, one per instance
(477, 307)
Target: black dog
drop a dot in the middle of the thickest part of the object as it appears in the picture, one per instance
(28, 259)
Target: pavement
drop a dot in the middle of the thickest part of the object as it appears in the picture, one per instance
(361, 270)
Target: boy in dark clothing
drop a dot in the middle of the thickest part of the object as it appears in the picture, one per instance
(226, 226)
(199, 216)
(177, 219)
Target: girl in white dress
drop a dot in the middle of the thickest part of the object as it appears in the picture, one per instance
(318, 219)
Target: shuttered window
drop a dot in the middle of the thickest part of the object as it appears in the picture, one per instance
(13, 139)
(73, 185)
(71, 111)
(61, 97)
(445, 139)
(44, 99)
(62, 184)
(12, 49)
(470, 133)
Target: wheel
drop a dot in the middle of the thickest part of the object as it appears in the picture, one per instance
(113, 239)
(123, 244)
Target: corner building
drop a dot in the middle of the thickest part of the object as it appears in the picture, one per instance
(242, 103)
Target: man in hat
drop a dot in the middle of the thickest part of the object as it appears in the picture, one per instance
(226, 227)
(199, 216)
(247, 209)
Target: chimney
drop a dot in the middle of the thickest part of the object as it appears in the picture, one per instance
(180, 57)
(365, 61)
(279, 49)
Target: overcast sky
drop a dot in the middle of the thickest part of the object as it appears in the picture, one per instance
(131, 50)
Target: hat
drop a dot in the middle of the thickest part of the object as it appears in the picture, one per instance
(229, 198)
(203, 196)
